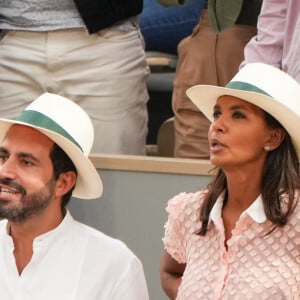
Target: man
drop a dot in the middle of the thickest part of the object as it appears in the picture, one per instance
(44, 252)
(90, 51)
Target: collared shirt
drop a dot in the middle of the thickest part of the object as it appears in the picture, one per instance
(255, 211)
(257, 264)
(278, 37)
(71, 262)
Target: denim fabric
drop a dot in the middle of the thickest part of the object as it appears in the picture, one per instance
(164, 27)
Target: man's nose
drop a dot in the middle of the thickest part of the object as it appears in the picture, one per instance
(8, 168)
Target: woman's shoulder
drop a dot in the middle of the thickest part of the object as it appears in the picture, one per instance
(297, 204)
(295, 212)
(186, 202)
(285, 200)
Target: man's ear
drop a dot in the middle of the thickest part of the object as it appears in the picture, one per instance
(65, 183)
(275, 138)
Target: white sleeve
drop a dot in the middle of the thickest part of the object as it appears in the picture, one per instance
(132, 284)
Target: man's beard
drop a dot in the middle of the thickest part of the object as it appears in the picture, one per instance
(30, 204)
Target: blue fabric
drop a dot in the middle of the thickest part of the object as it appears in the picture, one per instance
(164, 27)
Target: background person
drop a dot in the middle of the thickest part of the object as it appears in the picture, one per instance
(210, 55)
(240, 237)
(89, 51)
(44, 252)
(277, 42)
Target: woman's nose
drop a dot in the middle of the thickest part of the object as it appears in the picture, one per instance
(218, 124)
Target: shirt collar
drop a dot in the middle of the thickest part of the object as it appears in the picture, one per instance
(255, 210)
(216, 212)
(51, 235)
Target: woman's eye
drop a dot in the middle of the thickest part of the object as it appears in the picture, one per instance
(238, 115)
(216, 114)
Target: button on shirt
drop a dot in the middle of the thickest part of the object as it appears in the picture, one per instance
(73, 261)
(258, 264)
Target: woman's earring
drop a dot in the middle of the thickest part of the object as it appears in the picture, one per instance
(267, 148)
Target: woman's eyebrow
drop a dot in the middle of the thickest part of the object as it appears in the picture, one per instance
(233, 107)
(238, 106)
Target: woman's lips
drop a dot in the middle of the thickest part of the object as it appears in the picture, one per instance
(216, 145)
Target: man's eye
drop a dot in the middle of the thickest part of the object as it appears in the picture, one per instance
(27, 162)
(3, 158)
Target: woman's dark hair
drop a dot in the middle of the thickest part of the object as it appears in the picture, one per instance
(282, 163)
(62, 164)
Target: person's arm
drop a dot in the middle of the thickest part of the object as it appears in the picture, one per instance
(132, 283)
(267, 45)
(170, 275)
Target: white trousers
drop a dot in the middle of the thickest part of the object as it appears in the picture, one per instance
(105, 73)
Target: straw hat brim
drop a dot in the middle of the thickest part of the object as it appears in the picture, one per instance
(205, 97)
(88, 183)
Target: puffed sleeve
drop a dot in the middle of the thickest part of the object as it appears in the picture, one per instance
(175, 228)
(182, 223)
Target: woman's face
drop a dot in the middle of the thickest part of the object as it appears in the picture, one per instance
(238, 134)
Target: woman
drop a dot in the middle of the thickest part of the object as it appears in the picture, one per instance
(240, 238)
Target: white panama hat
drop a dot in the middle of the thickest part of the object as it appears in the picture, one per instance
(70, 127)
(263, 85)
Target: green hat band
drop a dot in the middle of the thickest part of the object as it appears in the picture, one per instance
(243, 86)
(40, 120)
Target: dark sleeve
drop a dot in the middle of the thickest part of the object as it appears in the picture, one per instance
(100, 14)
(249, 12)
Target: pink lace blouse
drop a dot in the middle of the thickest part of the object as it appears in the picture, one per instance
(255, 266)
